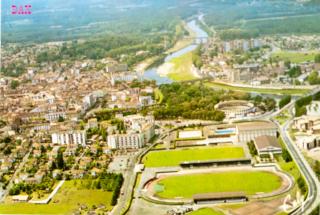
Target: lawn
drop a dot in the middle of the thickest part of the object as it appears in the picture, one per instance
(181, 70)
(237, 181)
(175, 157)
(205, 211)
(295, 57)
(158, 95)
(258, 90)
(70, 195)
(283, 117)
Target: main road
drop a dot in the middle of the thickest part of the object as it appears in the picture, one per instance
(312, 200)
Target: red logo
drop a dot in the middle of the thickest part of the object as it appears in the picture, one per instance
(21, 10)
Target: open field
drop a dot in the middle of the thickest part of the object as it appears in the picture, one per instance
(186, 186)
(205, 211)
(258, 90)
(295, 57)
(175, 157)
(181, 70)
(69, 197)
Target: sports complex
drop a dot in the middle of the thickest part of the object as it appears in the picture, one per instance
(212, 166)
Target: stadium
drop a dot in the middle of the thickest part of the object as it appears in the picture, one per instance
(236, 108)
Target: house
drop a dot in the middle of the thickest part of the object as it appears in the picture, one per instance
(308, 124)
(267, 144)
(92, 123)
(76, 174)
(20, 198)
(308, 142)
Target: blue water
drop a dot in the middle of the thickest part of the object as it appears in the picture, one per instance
(225, 131)
(152, 73)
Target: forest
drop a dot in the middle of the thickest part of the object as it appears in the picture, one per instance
(193, 101)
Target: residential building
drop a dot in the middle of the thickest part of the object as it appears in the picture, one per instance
(308, 124)
(124, 141)
(140, 130)
(77, 137)
(309, 142)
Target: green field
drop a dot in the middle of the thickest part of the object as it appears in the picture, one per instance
(295, 57)
(68, 198)
(182, 68)
(158, 95)
(257, 90)
(175, 157)
(187, 185)
(205, 211)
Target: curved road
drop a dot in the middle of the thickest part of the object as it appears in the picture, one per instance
(313, 198)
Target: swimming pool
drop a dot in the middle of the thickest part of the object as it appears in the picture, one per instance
(226, 131)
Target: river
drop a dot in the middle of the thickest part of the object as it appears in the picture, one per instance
(201, 36)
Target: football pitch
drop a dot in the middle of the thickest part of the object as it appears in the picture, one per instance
(165, 158)
(249, 182)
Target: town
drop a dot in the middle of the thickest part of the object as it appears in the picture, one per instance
(193, 119)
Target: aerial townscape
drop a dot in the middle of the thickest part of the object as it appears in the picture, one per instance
(160, 107)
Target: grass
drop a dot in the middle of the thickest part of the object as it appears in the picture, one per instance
(257, 90)
(205, 211)
(175, 157)
(65, 201)
(283, 117)
(158, 95)
(250, 182)
(295, 57)
(289, 167)
(182, 68)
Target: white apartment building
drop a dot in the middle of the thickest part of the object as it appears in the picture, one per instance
(140, 131)
(77, 137)
(125, 141)
(54, 116)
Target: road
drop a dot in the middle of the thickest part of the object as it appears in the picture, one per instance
(129, 178)
(313, 197)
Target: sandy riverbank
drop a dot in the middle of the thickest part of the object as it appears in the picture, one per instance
(165, 69)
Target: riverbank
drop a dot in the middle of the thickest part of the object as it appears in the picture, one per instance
(177, 66)
(266, 90)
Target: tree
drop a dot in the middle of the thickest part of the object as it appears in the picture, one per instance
(302, 185)
(252, 148)
(317, 58)
(60, 119)
(59, 160)
(270, 103)
(286, 155)
(316, 167)
(287, 64)
(14, 84)
(313, 78)
(42, 149)
(284, 101)
(294, 72)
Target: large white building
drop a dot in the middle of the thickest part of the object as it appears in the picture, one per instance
(140, 130)
(77, 137)
(250, 130)
(124, 141)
